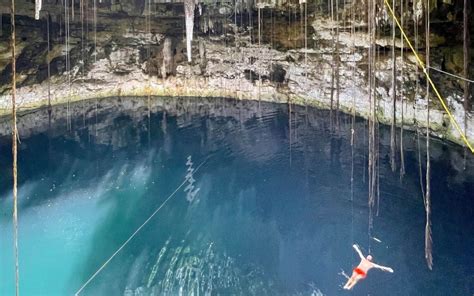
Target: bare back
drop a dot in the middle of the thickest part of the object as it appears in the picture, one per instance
(365, 265)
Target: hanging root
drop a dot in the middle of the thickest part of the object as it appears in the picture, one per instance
(14, 150)
(428, 241)
(428, 238)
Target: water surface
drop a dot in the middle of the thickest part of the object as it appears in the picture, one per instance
(265, 205)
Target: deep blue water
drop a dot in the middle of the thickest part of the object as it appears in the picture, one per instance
(273, 211)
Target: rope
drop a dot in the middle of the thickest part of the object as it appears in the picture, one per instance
(425, 70)
(135, 233)
(15, 153)
(450, 74)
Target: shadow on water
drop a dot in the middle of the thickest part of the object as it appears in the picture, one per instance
(258, 225)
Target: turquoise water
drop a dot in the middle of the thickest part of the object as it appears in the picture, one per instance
(269, 211)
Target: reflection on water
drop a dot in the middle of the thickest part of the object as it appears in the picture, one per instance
(265, 214)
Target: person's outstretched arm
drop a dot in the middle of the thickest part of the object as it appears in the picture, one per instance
(356, 247)
(384, 268)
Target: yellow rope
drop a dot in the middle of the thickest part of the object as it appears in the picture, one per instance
(422, 65)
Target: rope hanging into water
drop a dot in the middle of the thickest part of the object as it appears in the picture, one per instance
(136, 232)
(433, 86)
(14, 152)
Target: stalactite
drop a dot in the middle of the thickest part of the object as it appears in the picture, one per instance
(38, 4)
(394, 96)
(189, 7)
(14, 151)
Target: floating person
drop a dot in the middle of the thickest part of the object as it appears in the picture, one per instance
(360, 272)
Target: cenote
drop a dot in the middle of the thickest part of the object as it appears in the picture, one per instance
(253, 199)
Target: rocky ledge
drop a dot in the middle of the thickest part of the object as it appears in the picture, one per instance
(231, 63)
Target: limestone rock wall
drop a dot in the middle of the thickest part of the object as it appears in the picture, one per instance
(125, 56)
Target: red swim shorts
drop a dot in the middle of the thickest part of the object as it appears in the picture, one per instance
(360, 272)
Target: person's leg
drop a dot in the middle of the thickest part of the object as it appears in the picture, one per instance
(352, 284)
(346, 286)
(355, 280)
(350, 281)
